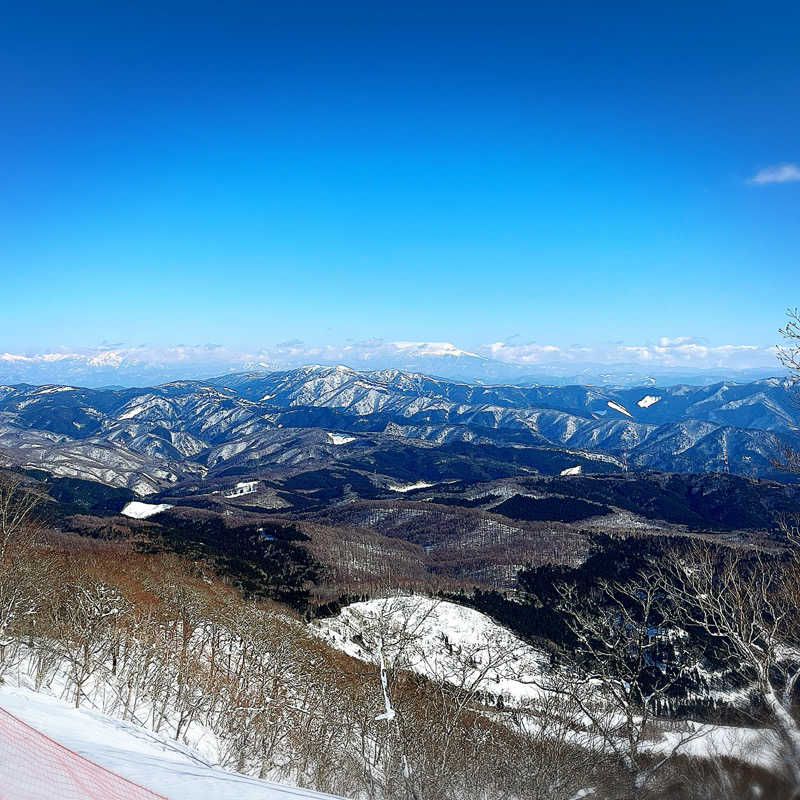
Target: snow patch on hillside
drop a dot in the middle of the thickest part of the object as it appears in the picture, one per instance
(155, 762)
(619, 407)
(340, 438)
(132, 412)
(242, 487)
(138, 510)
(647, 401)
(409, 487)
(572, 470)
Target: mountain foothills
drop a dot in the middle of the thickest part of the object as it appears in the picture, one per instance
(387, 428)
(359, 475)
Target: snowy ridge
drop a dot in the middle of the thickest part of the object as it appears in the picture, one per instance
(148, 439)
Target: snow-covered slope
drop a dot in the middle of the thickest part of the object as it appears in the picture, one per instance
(157, 763)
(447, 642)
(441, 640)
(139, 510)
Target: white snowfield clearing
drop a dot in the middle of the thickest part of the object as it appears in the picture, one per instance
(571, 470)
(340, 438)
(138, 510)
(751, 745)
(409, 487)
(619, 407)
(159, 764)
(647, 401)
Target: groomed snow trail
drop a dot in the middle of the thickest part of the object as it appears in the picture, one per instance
(157, 763)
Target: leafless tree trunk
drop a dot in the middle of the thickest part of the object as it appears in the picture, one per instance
(18, 526)
(749, 601)
(19, 531)
(789, 356)
(616, 677)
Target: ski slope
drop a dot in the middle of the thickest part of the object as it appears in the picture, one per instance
(157, 763)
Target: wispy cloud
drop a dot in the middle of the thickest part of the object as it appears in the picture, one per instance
(778, 173)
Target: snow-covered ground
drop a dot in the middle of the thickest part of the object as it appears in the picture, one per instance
(139, 510)
(157, 763)
(751, 745)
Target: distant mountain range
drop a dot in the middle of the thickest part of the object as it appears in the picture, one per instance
(389, 426)
(125, 367)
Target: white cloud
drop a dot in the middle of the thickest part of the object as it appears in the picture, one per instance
(778, 173)
(430, 349)
(685, 352)
(155, 364)
(680, 351)
(531, 353)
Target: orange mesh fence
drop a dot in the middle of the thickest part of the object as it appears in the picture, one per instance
(34, 767)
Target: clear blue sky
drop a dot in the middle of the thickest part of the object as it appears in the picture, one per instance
(249, 173)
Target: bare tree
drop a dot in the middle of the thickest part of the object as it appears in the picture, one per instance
(789, 356)
(18, 526)
(19, 530)
(748, 602)
(444, 728)
(84, 619)
(621, 671)
(390, 637)
(789, 353)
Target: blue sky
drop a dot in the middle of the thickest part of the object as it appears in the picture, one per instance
(243, 174)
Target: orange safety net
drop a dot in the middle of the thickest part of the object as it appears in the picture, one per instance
(34, 767)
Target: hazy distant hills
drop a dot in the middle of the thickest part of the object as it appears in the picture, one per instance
(390, 425)
(148, 367)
